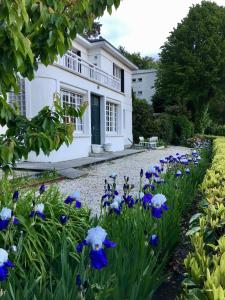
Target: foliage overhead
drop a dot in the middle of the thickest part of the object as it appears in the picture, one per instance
(33, 32)
(142, 62)
(37, 31)
(191, 74)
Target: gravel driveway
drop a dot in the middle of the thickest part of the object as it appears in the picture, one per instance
(91, 187)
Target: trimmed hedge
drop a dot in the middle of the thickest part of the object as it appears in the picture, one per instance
(206, 263)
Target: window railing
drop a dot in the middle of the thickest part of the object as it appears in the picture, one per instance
(90, 71)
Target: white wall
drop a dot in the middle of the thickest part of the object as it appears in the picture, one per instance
(48, 81)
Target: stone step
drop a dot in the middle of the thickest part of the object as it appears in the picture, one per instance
(72, 173)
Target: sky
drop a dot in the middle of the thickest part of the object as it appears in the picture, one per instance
(144, 25)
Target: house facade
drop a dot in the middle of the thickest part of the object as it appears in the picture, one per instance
(143, 84)
(92, 71)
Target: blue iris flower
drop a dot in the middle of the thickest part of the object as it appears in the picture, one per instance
(68, 200)
(153, 241)
(97, 239)
(179, 173)
(15, 196)
(15, 221)
(42, 189)
(146, 200)
(38, 211)
(78, 280)
(63, 219)
(81, 245)
(158, 205)
(78, 204)
(4, 224)
(98, 259)
(5, 263)
(187, 171)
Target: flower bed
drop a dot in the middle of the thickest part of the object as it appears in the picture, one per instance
(205, 278)
(57, 257)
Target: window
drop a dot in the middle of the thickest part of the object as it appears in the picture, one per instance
(134, 79)
(140, 79)
(119, 74)
(116, 71)
(139, 93)
(75, 100)
(111, 117)
(19, 98)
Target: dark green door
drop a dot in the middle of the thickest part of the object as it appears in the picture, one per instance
(95, 120)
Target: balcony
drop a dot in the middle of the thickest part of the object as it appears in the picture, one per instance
(81, 67)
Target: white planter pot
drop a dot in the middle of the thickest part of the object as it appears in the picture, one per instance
(108, 147)
(96, 148)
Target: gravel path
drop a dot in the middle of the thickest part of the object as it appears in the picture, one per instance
(91, 186)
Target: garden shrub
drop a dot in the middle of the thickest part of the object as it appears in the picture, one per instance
(183, 129)
(163, 128)
(215, 129)
(205, 265)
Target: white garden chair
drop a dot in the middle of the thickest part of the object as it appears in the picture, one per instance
(153, 142)
(142, 142)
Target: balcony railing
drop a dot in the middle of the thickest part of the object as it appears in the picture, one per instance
(90, 71)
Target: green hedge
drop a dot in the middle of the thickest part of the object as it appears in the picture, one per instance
(205, 265)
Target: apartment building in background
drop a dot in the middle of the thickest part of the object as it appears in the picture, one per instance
(143, 84)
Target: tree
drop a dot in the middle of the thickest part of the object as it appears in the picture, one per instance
(191, 74)
(142, 62)
(33, 32)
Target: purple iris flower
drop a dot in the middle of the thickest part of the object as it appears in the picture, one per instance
(81, 245)
(38, 211)
(15, 221)
(5, 263)
(106, 203)
(158, 205)
(78, 204)
(78, 280)
(97, 239)
(109, 244)
(158, 211)
(98, 259)
(148, 175)
(68, 200)
(5, 217)
(146, 200)
(63, 219)
(4, 224)
(15, 196)
(179, 173)
(187, 171)
(42, 189)
(153, 241)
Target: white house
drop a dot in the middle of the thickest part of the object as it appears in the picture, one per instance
(92, 71)
(143, 84)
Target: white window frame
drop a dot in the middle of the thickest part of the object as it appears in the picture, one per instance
(116, 71)
(111, 113)
(19, 98)
(74, 99)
